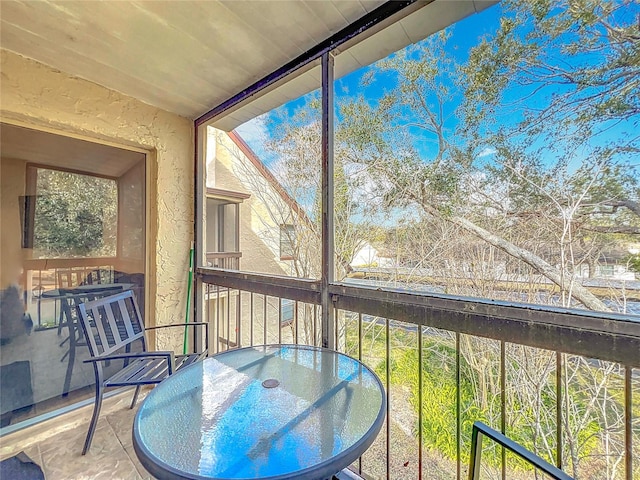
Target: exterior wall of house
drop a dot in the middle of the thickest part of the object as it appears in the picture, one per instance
(261, 215)
(37, 96)
(259, 231)
(368, 256)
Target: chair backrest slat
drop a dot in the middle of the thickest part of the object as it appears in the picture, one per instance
(110, 325)
(116, 323)
(128, 324)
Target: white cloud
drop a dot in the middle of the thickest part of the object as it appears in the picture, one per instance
(486, 151)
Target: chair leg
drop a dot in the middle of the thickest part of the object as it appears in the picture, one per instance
(70, 363)
(60, 317)
(135, 397)
(96, 412)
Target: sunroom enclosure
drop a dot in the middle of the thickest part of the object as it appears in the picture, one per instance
(540, 343)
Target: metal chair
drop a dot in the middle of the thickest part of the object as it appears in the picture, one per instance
(480, 429)
(113, 323)
(69, 302)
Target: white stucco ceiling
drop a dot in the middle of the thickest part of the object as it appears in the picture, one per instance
(189, 56)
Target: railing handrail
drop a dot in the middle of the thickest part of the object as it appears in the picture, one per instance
(602, 335)
(50, 263)
(301, 289)
(480, 429)
(212, 255)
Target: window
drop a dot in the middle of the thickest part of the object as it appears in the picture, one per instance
(606, 270)
(287, 242)
(223, 228)
(74, 215)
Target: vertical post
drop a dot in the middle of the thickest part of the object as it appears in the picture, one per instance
(328, 336)
(559, 396)
(200, 291)
(264, 320)
(220, 228)
(476, 453)
(628, 425)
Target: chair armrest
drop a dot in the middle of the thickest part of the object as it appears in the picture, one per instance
(188, 324)
(160, 354)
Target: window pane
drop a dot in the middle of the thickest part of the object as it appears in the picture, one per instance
(287, 242)
(73, 229)
(270, 166)
(75, 215)
(497, 158)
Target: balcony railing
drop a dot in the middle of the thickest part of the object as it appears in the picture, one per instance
(564, 383)
(228, 260)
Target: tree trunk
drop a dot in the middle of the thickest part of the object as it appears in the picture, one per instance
(566, 282)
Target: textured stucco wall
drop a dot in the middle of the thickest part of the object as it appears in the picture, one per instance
(12, 184)
(37, 96)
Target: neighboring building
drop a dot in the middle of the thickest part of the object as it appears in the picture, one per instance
(253, 225)
(369, 256)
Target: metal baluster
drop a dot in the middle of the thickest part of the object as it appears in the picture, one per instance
(387, 385)
(458, 408)
(628, 424)
(295, 319)
(264, 319)
(279, 319)
(559, 395)
(315, 320)
(503, 405)
(218, 336)
(251, 320)
(239, 319)
(360, 358)
(228, 318)
(419, 329)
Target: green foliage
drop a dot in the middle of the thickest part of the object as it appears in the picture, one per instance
(634, 263)
(75, 215)
(530, 402)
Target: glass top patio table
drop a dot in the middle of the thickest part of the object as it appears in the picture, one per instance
(275, 411)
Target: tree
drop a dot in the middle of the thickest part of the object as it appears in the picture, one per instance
(571, 184)
(75, 215)
(530, 146)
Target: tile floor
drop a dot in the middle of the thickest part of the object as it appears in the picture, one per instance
(57, 447)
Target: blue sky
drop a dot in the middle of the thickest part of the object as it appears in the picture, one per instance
(255, 132)
(465, 35)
